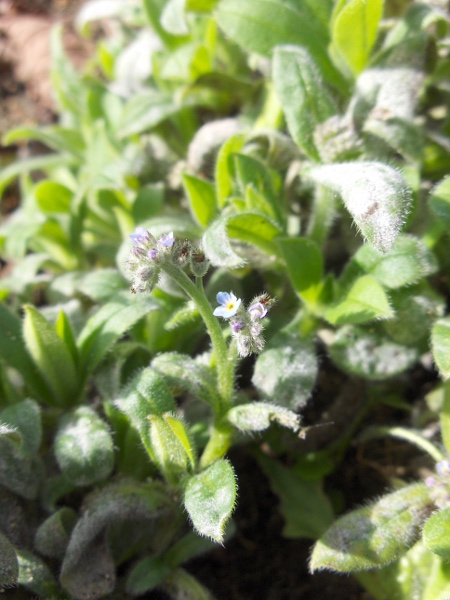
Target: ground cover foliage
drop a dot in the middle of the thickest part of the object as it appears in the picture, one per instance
(235, 239)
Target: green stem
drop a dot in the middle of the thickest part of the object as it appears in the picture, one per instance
(225, 367)
(404, 434)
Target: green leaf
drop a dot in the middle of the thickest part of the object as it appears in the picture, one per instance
(106, 326)
(84, 447)
(440, 202)
(172, 448)
(173, 17)
(365, 301)
(9, 565)
(209, 499)
(181, 584)
(25, 418)
(258, 416)
(146, 110)
(53, 197)
(305, 508)
(361, 18)
(146, 395)
(269, 23)
(375, 195)
(51, 356)
(436, 533)
(254, 228)
(45, 163)
(369, 354)
(57, 138)
(36, 576)
(147, 574)
(285, 373)
(217, 247)
(304, 98)
(148, 202)
(52, 536)
(181, 372)
(440, 345)
(305, 266)
(202, 199)
(375, 535)
(19, 473)
(101, 285)
(225, 168)
(408, 261)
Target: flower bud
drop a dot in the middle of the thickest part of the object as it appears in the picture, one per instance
(199, 263)
(181, 253)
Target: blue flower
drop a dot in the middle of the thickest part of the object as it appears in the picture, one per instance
(257, 311)
(229, 305)
(166, 240)
(140, 236)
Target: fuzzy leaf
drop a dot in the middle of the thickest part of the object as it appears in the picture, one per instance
(375, 535)
(217, 247)
(436, 533)
(305, 100)
(368, 354)
(183, 372)
(88, 570)
(364, 301)
(286, 371)
(258, 416)
(51, 356)
(210, 497)
(440, 345)
(19, 473)
(269, 23)
(84, 447)
(361, 18)
(9, 565)
(375, 195)
(440, 202)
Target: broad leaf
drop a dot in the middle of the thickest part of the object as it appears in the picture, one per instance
(202, 199)
(209, 499)
(304, 262)
(436, 533)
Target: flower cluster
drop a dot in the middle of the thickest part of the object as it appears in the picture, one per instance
(147, 254)
(245, 323)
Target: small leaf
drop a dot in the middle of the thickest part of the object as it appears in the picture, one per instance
(365, 301)
(217, 247)
(258, 416)
(84, 447)
(51, 356)
(436, 533)
(225, 168)
(35, 575)
(361, 18)
(181, 584)
(375, 195)
(305, 508)
(305, 266)
(173, 18)
(408, 261)
(9, 565)
(285, 373)
(440, 345)
(101, 285)
(202, 199)
(146, 110)
(146, 575)
(52, 197)
(304, 98)
(52, 536)
(209, 499)
(254, 228)
(375, 535)
(368, 354)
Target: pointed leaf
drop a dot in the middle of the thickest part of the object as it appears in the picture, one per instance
(209, 499)
(304, 263)
(202, 199)
(305, 100)
(375, 195)
(375, 535)
(51, 356)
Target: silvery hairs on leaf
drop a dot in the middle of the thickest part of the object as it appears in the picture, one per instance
(375, 195)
